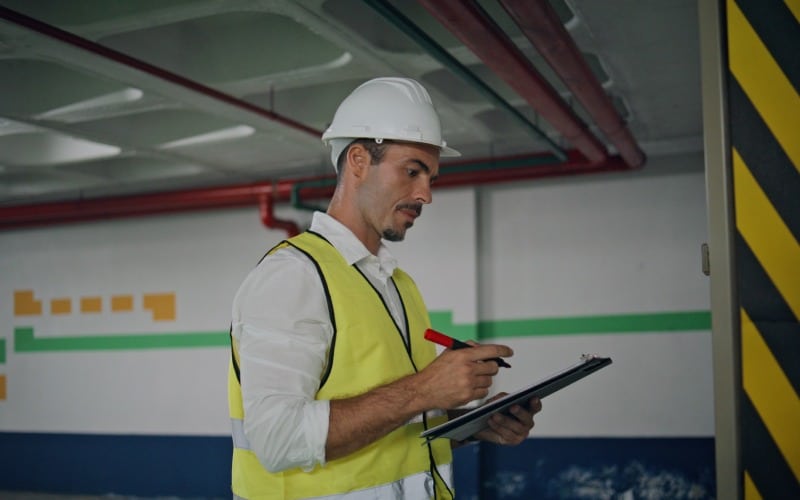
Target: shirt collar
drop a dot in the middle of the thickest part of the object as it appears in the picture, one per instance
(351, 248)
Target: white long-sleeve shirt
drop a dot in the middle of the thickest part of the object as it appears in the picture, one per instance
(282, 325)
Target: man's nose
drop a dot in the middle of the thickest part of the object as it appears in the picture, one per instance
(423, 191)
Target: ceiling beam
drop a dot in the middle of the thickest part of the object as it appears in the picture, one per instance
(467, 20)
(539, 22)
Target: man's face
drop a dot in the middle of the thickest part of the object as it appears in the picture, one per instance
(394, 191)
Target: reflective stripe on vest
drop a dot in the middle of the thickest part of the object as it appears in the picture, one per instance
(237, 432)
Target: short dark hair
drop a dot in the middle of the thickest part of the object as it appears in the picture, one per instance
(376, 151)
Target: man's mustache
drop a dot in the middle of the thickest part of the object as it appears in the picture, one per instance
(416, 207)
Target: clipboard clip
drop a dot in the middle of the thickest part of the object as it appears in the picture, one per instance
(588, 357)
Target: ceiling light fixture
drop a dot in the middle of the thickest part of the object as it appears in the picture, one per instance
(10, 127)
(40, 147)
(226, 134)
(64, 113)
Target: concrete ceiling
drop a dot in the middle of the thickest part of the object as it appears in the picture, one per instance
(199, 93)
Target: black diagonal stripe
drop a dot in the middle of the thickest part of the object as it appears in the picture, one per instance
(765, 158)
(783, 340)
(762, 459)
(779, 30)
(757, 293)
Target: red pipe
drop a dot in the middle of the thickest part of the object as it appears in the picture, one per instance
(539, 22)
(126, 60)
(451, 175)
(149, 204)
(484, 38)
(576, 164)
(266, 205)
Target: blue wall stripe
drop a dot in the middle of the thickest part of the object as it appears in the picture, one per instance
(199, 467)
(90, 464)
(559, 468)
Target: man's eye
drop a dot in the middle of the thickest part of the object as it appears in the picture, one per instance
(412, 172)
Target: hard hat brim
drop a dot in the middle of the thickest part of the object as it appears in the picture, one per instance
(448, 152)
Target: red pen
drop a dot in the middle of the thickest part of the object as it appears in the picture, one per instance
(451, 343)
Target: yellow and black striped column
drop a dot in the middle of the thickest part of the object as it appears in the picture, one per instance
(764, 111)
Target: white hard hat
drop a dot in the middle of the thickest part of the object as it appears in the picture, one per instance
(386, 108)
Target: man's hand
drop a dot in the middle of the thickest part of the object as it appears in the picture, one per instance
(510, 429)
(457, 377)
(453, 379)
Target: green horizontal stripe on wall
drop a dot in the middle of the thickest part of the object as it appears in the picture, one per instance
(575, 325)
(613, 323)
(24, 341)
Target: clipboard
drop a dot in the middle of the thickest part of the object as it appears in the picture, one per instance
(464, 426)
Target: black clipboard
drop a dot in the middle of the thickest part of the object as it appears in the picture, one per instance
(464, 426)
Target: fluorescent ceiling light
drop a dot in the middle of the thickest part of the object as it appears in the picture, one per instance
(40, 147)
(8, 127)
(339, 62)
(225, 134)
(114, 98)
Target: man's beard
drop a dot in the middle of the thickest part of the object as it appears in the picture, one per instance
(392, 235)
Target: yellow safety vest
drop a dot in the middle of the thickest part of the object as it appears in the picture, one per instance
(367, 351)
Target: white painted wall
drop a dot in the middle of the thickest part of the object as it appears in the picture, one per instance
(597, 245)
(604, 244)
(600, 244)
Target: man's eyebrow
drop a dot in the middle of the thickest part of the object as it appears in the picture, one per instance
(424, 167)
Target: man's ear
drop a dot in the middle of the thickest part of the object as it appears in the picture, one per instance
(358, 160)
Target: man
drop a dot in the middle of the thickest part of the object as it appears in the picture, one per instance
(331, 381)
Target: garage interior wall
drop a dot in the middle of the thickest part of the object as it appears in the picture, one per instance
(114, 349)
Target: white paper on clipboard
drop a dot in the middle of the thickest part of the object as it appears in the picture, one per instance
(464, 426)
